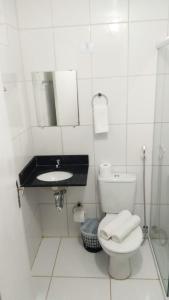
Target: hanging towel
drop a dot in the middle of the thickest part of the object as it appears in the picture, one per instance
(125, 229)
(111, 228)
(100, 117)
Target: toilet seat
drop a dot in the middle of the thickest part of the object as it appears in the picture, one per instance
(130, 244)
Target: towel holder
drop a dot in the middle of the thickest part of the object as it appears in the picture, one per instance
(100, 95)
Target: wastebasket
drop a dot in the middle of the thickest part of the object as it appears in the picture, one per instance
(89, 235)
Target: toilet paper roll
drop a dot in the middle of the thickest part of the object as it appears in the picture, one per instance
(105, 170)
(78, 214)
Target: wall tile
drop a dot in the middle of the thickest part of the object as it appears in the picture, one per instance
(139, 210)
(137, 136)
(116, 91)
(38, 51)
(10, 56)
(71, 50)
(141, 98)
(9, 12)
(78, 140)
(85, 101)
(76, 13)
(111, 147)
(34, 14)
(15, 100)
(138, 170)
(85, 194)
(110, 46)
(109, 11)
(148, 10)
(74, 228)
(143, 38)
(47, 140)
(52, 222)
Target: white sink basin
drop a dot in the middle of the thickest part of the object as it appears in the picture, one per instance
(54, 176)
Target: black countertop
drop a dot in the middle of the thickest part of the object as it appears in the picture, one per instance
(76, 164)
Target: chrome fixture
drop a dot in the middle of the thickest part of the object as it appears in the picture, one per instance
(59, 199)
(58, 162)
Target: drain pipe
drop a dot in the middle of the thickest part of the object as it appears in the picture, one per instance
(145, 226)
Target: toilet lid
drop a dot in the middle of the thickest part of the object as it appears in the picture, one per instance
(131, 243)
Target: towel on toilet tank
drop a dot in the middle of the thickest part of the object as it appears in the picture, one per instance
(125, 229)
(111, 228)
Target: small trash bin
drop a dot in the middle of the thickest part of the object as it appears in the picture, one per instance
(89, 235)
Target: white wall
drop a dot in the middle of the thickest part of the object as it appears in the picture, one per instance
(112, 45)
(15, 136)
(16, 105)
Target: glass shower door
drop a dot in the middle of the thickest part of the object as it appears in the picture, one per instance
(159, 228)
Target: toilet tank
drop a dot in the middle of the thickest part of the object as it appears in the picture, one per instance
(117, 192)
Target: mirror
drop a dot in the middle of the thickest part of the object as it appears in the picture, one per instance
(56, 98)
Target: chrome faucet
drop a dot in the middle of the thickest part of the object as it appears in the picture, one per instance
(58, 162)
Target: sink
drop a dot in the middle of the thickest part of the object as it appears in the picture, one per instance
(54, 176)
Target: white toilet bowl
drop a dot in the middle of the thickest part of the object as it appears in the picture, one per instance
(120, 253)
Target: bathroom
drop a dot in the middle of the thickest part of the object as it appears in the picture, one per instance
(112, 118)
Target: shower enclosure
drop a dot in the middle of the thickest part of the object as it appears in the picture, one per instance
(159, 227)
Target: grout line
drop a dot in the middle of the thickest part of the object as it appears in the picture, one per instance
(53, 270)
(36, 253)
(88, 24)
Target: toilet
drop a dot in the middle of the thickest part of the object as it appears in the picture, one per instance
(117, 192)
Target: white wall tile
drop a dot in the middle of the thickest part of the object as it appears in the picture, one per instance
(139, 210)
(78, 140)
(74, 228)
(76, 13)
(85, 101)
(10, 56)
(164, 143)
(71, 50)
(110, 47)
(137, 136)
(116, 91)
(31, 222)
(141, 98)
(148, 10)
(47, 140)
(111, 147)
(83, 194)
(52, 222)
(9, 12)
(143, 38)
(3, 35)
(109, 11)
(138, 170)
(38, 50)
(34, 14)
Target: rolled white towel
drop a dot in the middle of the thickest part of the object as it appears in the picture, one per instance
(111, 228)
(125, 229)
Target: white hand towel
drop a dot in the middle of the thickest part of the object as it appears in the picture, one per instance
(125, 229)
(110, 229)
(100, 118)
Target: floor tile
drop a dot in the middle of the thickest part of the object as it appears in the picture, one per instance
(142, 264)
(46, 256)
(79, 288)
(40, 287)
(74, 261)
(136, 289)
